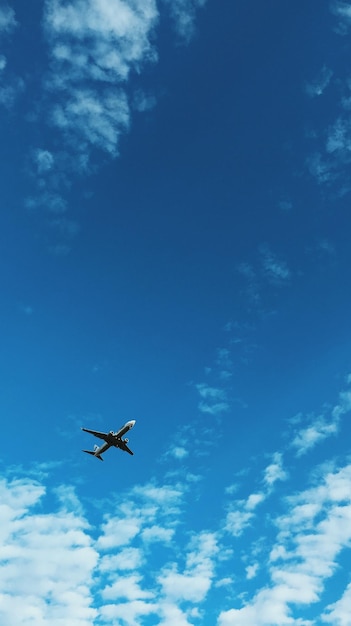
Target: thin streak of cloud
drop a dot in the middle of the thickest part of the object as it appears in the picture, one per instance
(317, 86)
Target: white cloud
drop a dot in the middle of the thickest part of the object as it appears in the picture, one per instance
(214, 399)
(320, 83)
(126, 587)
(96, 44)
(251, 571)
(321, 168)
(342, 9)
(7, 19)
(321, 427)
(130, 612)
(178, 452)
(46, 560)
(44, 160)
(183, 13)
(275, 270)
(311, 535)
(95, 118)
(10, 92)
(339, 612)
(275, 471)
(194, 582)
(143, 102)
(126, 559)
(308, 437)
(118, 532)
(241, 513)
(156, 533)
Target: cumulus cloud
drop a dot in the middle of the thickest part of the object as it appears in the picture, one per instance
(193, 583)
(47, 559)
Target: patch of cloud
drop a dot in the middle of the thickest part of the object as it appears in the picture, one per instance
(44, 160)
(317, 86)
(157, 533)
(316, 432)
(275, 270)
(251, 571)
(342, 10)
(178, 452)
(183, 13)
(7, 19)
(213, 399)
(322, 169)
(143, 102)
(241, 513)
(274, 471)
(322, 427)
(339, 612)
(10, 86)
(10, 92)
(194, 582)
(311, 535)
(94, 48)
(339, 137)
(46, 560)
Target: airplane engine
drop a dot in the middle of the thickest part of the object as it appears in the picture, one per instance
(126, 440)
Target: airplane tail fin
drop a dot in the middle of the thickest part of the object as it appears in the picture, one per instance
(92, 452)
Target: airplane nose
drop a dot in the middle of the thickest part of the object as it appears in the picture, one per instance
(131, 423)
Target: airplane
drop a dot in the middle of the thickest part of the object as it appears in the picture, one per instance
(110, 439)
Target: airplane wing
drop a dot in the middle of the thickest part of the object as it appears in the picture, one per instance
(123, 446)
(96, 433)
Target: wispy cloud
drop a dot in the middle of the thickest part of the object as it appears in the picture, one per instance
(321, 427)
(317, 86)
(342, 10)
(7, 19)
(11, 86)
(183, 13)
(274, 269)
(213, 399)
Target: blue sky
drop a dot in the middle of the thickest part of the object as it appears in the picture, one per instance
(175, 249)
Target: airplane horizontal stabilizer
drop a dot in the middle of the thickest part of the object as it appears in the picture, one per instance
(97, 456)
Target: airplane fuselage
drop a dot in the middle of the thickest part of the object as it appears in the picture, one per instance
(111, 439)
